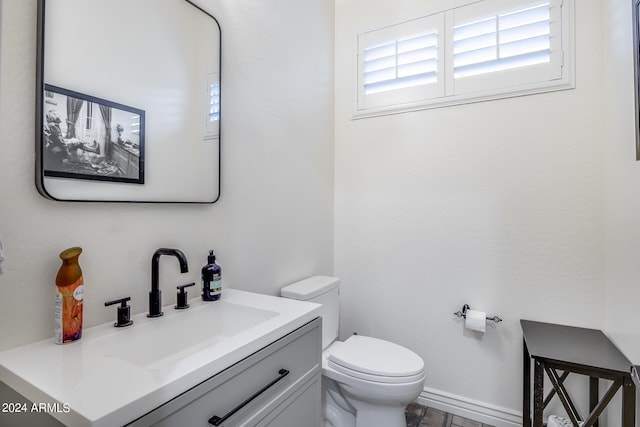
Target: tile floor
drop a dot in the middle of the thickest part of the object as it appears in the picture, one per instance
(422, 416)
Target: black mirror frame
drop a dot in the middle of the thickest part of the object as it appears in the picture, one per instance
(40, 86)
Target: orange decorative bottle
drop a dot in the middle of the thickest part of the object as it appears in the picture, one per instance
(69, 297)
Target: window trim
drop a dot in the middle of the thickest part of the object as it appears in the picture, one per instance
(566, 81)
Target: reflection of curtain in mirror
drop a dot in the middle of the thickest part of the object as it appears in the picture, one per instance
(106, 118)
(73, 109)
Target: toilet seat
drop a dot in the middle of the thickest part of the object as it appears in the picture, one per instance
(373, 359)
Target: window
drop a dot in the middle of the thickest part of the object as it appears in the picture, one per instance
(212, 119)
(214, 101)
(401, 63)
(135, 124)
(503, 42)
(485, 50)
(89, 121)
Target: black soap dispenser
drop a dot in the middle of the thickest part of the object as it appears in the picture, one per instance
(211, 279)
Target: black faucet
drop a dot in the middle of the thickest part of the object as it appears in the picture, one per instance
(155, 294)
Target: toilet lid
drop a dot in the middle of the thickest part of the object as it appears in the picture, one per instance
(376, 358)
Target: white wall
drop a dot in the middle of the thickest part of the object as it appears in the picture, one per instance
(497, 204)
(273, 223)
(500, 205)
(622, 185)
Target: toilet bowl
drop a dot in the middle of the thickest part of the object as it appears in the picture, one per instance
(366, 382)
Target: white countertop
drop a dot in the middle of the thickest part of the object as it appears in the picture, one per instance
(98, 388)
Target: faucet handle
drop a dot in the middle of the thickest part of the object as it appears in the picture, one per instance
(124, 312)
(182, 296)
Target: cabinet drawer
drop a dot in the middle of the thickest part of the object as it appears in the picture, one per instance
(302, 409)
(298, 353)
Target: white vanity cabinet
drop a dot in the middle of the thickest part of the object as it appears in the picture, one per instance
(277, 386)
(164, 371)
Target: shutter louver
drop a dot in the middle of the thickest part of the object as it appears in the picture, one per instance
(504, 42)
(401, 63)
(214, 101)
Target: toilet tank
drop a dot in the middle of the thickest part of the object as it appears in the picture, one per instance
(323, 290)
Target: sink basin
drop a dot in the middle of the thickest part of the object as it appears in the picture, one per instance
(113, 375)
(162, 341)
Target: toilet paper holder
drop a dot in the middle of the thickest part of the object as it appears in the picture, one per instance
(463, 314)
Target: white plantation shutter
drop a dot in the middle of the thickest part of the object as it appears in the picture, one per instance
(214, 101)
(510, 47)
(513, 40)
(212, 121)
(484, 50)
(401, 63)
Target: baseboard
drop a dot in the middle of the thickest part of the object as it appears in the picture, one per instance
(470, 408)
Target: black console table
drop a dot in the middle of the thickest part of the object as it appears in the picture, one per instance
(569, 349)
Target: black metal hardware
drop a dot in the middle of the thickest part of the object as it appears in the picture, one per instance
(216, 421)
(155, 294)
(124, 312)
(463, 314)
(182, 296)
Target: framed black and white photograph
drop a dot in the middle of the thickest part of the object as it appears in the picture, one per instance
(85, 137)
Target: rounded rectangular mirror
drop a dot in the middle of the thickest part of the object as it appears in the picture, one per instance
(128, 106)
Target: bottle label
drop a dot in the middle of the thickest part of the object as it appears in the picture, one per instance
(211, 287)
(58, 322)
(68, 312)
(216, 286)
(78, 293)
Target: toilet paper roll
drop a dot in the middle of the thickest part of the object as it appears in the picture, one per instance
(476, 320)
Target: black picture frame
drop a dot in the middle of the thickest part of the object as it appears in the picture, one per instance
(89, 138)
(636, 63)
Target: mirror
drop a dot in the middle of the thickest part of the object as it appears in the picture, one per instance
(128, 106)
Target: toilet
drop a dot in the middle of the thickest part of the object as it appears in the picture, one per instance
(366, 382)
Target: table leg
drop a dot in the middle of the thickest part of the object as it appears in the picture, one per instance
(628, 402)
(526, 390)
(594, 395)
(538, 392)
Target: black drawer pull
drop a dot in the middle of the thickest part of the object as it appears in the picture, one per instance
(216, 420)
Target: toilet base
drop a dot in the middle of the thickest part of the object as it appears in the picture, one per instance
(371, 415)
(336, 412)
(342, 408)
